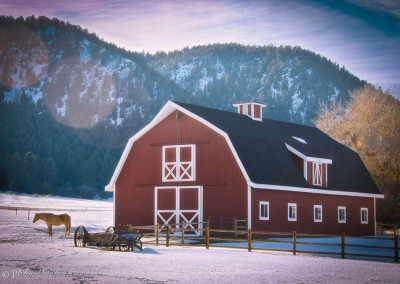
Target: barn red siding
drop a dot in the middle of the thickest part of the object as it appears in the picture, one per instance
(278, 213)
(257, 111)
(224, 187)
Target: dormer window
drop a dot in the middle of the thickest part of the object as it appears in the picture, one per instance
(250, 109)
(315, 170)
(317, 173)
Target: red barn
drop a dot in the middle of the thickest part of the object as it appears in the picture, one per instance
(192, 162)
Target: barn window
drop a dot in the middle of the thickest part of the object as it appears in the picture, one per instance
(179, 163)
(317, 173)
(264, 210)
(342, 214)
(317, 213)
(292, 212)
(364, 215)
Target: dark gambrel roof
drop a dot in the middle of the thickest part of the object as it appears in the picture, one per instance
(261, 147)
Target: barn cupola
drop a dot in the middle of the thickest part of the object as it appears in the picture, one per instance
(251, 109)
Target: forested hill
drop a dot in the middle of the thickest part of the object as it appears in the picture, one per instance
(291, 81)
(69, 101)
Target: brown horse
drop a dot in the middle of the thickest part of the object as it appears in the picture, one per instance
(54, 220)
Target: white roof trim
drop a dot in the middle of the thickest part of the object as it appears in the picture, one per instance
(308, 159)
(164, 112)
(171, 106)
(249, 103)
(312, 190)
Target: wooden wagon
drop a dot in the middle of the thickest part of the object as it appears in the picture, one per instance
(125, 240)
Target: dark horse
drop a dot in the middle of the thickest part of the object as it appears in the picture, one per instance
(54, 220)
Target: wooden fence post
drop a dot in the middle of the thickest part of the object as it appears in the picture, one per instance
(207, 238)
(380, 227)
(396, 247)
(235, 226)
(167, 241)
(157, 233)
(376, 228)
(183, 232)
(29, 213)
(249, 241)
(294, 242)
(343, 245)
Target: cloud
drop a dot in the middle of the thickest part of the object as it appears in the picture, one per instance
(350, 35)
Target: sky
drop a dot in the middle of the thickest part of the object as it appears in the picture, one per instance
(361, 35)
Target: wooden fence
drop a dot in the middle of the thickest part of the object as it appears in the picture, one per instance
(162, 235)
(28, 209)
(381, 227)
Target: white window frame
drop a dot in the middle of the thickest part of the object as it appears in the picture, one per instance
(317, 207)
(317, 175)
(344, 209)
(178, 165)
(266, 210)
(295, 212)
(366, 214)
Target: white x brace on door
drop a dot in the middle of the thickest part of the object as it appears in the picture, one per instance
(174, 204)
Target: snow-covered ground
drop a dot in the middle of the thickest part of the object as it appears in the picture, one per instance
(28, 254)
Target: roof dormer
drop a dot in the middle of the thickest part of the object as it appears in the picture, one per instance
(251, 109)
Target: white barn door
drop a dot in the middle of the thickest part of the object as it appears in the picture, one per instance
(174, 204)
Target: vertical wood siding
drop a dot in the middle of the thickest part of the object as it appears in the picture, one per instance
(224, 187)
(278, 219)
(257, 111)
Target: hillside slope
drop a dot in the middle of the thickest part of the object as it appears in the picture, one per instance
(69, 100)
(290, 80)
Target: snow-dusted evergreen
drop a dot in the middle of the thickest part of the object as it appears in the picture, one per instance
(73, 102)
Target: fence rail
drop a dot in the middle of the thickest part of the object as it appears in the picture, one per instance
(41, 209)
(83, 208)
(158, 238)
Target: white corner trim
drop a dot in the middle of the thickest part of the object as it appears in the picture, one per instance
(314, 190)
(375, 224)
(248, 207)
(164, 112)
(306, 158)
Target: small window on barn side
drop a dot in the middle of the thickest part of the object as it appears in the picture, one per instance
(317, 213)
(364, 215)
(292, 212)
(179, 163)
(342, 214)
(317, 173)
(264, 210)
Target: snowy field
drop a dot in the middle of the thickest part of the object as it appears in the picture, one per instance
(28, 255)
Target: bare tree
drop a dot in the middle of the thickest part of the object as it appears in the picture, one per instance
(370, 125)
